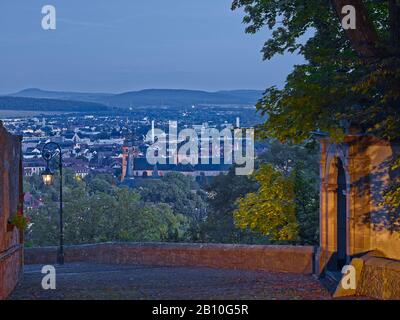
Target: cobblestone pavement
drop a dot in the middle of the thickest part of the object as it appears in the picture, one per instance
(96, 281)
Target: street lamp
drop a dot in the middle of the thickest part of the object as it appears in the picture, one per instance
(50, 150)
(48, 177)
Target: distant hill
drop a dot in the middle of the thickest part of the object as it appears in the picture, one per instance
(153, 97)
(61, 95)
(33, 104)
(171, 97)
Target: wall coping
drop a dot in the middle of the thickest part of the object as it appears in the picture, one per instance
(280, 248)
(291, 259)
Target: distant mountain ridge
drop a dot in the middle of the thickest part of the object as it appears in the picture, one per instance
(60, 95)
(46, 105)
(151, 97)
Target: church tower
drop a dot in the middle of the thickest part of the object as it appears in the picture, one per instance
(128, 157)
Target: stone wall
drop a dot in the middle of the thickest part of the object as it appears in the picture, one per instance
(11, 249)
(264, 258)
(380, 278)
(369, 224)
(376, 277)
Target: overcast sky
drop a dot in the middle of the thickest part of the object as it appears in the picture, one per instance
(122, 45)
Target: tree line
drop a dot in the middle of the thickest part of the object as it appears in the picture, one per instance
(176, 208)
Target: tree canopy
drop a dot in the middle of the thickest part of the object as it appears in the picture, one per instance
(351, 78)
(96, 210)
(285, 206)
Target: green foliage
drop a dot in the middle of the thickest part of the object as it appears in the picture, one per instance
(184, 197)
(222, 195)
(301, 163)
(97, 211)
(297, 167)
(339, 84)
(285, 206)
(392, 195)
(20, 221)
(270, 210)
(307, 204)
(335, 84)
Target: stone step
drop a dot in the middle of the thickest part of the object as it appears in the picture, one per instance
(331, 280)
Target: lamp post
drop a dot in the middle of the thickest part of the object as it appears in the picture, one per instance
(50, 150)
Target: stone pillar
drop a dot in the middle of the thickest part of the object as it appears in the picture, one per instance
(360, 240)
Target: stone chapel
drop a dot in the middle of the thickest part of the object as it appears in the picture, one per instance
(355, 227)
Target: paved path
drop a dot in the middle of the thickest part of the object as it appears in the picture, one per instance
(97, 281)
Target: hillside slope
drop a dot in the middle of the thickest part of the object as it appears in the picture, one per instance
(151, 97)
(32, 104)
